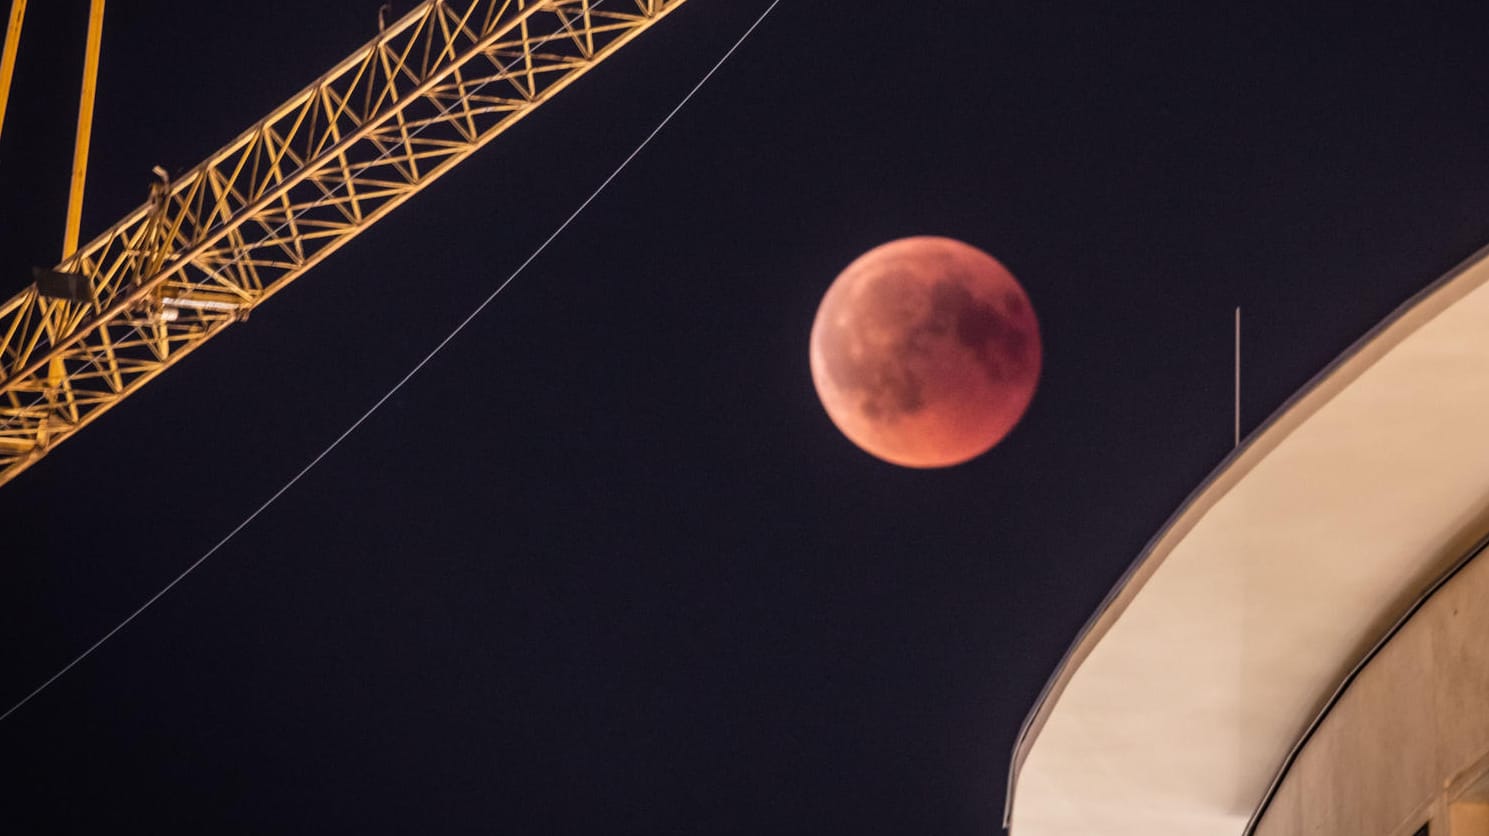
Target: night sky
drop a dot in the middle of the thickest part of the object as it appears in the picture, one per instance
(605, 566)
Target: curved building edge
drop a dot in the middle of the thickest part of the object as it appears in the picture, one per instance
(1354, 361)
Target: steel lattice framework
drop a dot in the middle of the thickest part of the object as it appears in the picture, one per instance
(210, 246)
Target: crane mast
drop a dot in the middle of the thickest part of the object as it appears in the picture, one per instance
(212, 244)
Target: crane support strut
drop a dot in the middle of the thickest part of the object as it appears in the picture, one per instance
(85, 129)
(8, 52)
(217, 241)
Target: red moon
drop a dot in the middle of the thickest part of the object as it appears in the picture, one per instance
(925, 352)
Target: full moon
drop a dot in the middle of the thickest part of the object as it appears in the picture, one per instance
(925, 352)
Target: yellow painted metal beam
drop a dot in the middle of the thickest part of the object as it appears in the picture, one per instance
(8, 54)
(208, 247)
(85, 129)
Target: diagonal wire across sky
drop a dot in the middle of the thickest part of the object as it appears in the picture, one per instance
(417, 367)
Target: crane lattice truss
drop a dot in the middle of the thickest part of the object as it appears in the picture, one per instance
(210, 246)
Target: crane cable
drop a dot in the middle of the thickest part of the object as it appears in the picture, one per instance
(418, 367)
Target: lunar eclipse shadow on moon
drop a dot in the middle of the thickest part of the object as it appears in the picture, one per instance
(925, 352)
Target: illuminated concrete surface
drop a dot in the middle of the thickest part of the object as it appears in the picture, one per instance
(1409, 739)
(1177, 706)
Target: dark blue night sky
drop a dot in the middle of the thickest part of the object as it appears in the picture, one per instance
(606, 566)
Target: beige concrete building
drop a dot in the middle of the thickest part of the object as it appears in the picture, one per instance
(1304, 647)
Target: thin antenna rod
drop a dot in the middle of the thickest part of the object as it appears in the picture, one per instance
(1238, 377)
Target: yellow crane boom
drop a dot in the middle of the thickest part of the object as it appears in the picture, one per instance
(211, 245)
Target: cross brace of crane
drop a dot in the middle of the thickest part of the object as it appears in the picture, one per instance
(217, 241)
